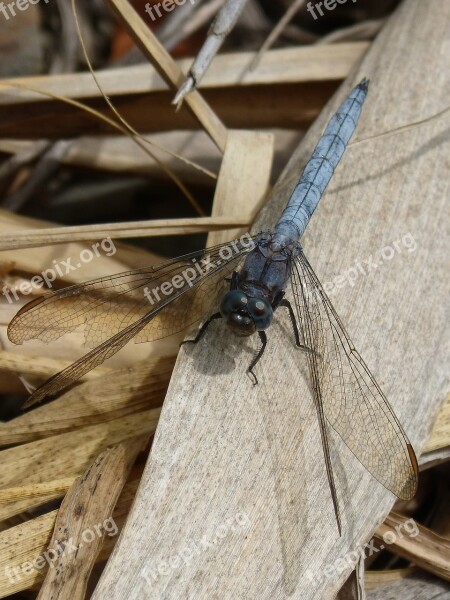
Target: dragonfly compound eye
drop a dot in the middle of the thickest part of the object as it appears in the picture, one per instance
(233, 301)
(234, 309)
(261, 313)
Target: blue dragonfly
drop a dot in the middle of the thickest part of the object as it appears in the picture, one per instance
(158, 301)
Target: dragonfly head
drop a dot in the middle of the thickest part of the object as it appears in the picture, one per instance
(245, 315)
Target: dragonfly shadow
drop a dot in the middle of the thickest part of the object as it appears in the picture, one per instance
(226, 353)
(286, 424)
(296, 454)
(234, 352)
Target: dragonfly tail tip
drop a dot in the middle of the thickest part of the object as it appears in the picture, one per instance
(364, 85)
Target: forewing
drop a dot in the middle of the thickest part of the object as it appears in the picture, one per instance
(352, 401)
(116, 308)
(108, 305)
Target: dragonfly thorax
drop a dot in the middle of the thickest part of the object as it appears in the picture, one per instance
(265, 272)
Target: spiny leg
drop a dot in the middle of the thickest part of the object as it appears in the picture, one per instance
(201, 332)
(263, 338)
(287, 305)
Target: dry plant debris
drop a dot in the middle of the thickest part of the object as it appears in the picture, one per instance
(76, 169)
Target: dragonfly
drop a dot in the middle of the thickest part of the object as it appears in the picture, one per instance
(244, 282)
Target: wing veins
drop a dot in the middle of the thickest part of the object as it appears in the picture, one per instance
(385, 435)
(91, 293)
(82, 366)
(317, 395)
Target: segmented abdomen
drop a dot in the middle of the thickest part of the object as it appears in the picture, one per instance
(322, 164)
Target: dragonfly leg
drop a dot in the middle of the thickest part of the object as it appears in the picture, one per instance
(234, 280)
(202, 330)
(263, 338)
(287, 305)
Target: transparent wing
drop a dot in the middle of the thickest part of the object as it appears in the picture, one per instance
(347, 394)
(145, 304)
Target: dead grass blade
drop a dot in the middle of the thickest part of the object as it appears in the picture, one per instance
(87, 509)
